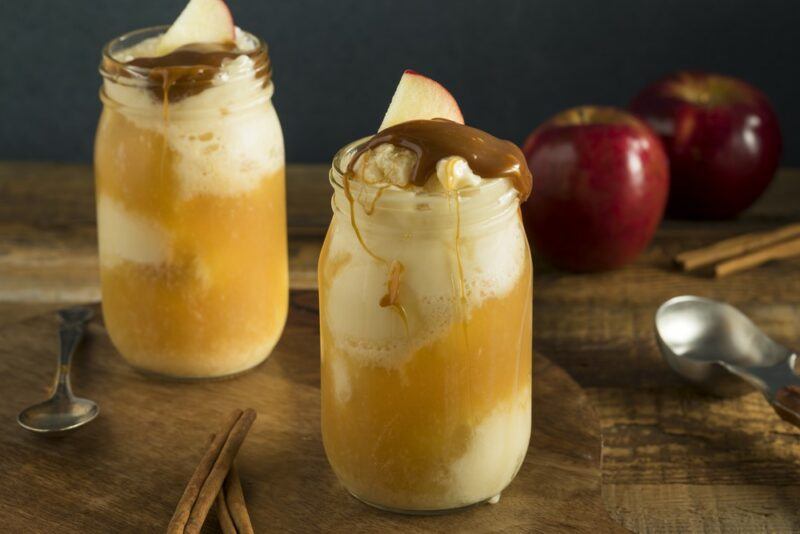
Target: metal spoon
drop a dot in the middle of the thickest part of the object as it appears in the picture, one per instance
(62, 411)
(718, 348)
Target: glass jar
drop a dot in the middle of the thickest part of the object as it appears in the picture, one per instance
(426, 325)
(191, 213)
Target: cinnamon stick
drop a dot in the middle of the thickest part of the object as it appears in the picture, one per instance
(213, 483)
(734, 246)
(785, 249)
(234, 499)
(184, 508)
(224, 515)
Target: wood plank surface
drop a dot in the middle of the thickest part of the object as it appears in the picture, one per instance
(125, 471)
(675, 460)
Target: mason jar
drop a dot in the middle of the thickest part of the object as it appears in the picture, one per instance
(191, 216)
(426, 315)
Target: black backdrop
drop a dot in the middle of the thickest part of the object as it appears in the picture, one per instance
(510, 63)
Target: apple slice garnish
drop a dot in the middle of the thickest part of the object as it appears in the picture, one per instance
(418, 97)
(201, 21)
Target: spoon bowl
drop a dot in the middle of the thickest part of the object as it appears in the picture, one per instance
(55, 416)
(701, 339)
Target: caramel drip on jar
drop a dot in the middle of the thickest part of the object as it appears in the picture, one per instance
(165, 119)
(352, 203)
(392, 297)
(462, 283)
(395, 268)
(374, 202)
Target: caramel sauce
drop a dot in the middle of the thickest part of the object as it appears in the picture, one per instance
(189, 69)
(352, 203)
(392, 297)
(370, 208)
(395, 268)
(432, 140)
(462, 284)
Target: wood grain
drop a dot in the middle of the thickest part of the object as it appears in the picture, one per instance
(676, 461)
(126, 471)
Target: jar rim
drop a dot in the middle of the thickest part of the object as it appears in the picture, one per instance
(111, 67)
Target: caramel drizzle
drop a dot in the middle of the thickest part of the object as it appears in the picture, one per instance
(348, 194)
(370, 208)
(392, 297)
(165, 119)
(432, 140)
(462, 284)
(395, 268)
(189, 69)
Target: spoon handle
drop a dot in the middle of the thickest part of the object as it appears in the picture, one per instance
(69, 335)
(787, 404)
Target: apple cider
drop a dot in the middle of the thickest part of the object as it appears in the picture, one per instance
(189, 169)
(426, 317)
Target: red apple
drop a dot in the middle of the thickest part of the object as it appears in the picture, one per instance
(722, 138)
(600, 181)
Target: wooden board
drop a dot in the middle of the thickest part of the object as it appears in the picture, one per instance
(125, 471)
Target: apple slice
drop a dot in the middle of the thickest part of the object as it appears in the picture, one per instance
(201, 21)
(418, 97)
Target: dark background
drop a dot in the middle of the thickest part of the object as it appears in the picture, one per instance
(509, 63)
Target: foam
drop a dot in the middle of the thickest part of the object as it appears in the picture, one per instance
(492, 263)
(230, 157)
(126, 236)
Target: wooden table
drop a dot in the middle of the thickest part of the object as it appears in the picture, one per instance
(674, 460)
